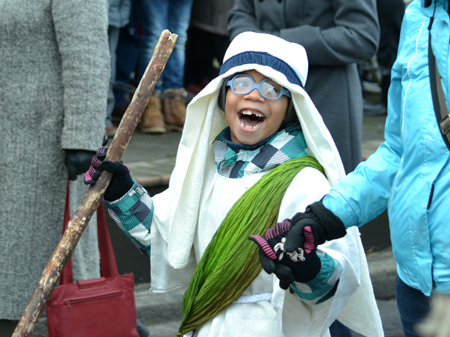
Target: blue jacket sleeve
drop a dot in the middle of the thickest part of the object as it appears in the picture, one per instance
(134, 213)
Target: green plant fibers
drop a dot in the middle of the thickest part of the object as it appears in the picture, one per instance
(230, 262)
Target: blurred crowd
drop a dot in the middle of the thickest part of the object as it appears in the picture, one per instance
(201, 27)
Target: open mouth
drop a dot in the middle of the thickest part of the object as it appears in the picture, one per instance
(250, 119)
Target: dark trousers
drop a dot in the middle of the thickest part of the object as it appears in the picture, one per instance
(413, 307)
(390, 16)
(7, 327)
(201, 48)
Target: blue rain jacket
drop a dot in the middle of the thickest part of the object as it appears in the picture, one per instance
(409, 174)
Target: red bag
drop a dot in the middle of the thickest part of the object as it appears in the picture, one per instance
(97, 307)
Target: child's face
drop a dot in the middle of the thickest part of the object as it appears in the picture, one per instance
(253, 118)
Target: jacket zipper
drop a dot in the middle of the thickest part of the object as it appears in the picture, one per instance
(69, 303)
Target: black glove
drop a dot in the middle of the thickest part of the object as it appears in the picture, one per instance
(301, 265)
(121, 181)
(324, 226)
(77, 162)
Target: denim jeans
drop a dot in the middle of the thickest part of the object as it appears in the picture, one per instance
(412, 305)
(175, 16)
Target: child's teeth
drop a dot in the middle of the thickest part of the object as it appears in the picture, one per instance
(257, 114)
(249, 126)
(241, 120)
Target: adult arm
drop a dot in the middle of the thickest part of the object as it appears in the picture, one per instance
(350, 36)
(82, 42)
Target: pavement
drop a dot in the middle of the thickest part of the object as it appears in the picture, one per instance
(151, 159)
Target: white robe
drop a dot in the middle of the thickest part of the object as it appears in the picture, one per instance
(271, 311)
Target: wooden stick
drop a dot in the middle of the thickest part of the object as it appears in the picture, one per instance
(94, 195)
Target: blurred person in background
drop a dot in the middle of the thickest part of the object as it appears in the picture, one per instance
(166, 109)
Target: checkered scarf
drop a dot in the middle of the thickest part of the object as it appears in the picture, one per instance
(236, 160)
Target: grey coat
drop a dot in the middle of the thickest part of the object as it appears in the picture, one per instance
(54, 74)
(336, 34)
(211, 16)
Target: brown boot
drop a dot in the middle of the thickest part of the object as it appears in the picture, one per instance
(174, 108)
(152, 118)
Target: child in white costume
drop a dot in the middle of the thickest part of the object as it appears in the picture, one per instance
(215, 165)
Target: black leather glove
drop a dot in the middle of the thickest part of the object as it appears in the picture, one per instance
(121, 181)
(324, 225)
(301, 265)
(77, 162)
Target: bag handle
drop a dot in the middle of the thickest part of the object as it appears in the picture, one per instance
(437, 93)
(67, 273)
(108, 265)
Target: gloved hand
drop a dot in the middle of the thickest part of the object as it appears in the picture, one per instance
(77, 162)
(301, 265)
(121, 181)
(323, 223)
